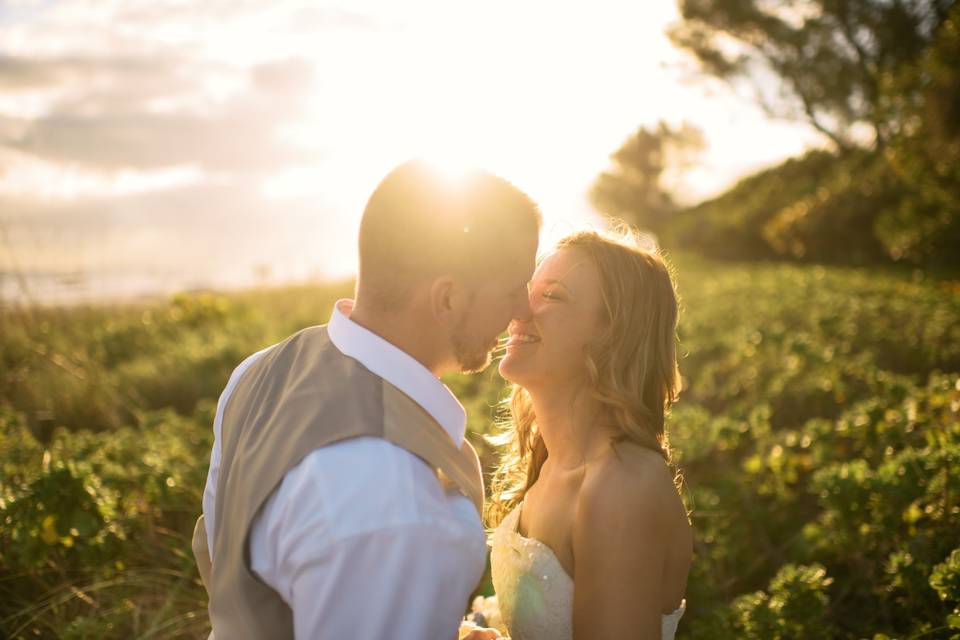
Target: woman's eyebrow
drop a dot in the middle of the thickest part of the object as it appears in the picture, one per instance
(565, 274)
(559, 282)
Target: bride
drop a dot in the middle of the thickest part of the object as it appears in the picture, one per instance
(593, 540)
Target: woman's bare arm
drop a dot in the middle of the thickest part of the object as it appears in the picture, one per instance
(620, 539)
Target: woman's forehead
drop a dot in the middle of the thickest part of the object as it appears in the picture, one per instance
(563, 264)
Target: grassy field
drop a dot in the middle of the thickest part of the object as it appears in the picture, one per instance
(818, 434)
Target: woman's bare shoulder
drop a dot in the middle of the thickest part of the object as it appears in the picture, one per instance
(629, 473)
(623, 500)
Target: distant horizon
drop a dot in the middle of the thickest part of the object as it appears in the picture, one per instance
(80, 288)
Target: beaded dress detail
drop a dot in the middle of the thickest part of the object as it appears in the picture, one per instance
(534, 592)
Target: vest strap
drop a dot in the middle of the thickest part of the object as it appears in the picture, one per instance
(431, 443)
(201, 551)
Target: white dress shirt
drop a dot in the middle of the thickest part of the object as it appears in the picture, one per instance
(360, 539)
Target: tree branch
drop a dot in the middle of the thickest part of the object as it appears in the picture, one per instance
(869, 78)
(808, 109)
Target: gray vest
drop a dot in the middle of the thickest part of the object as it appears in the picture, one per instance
(301, 395)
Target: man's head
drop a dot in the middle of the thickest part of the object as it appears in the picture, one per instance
(455, 253)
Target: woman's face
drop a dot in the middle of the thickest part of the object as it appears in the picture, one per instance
(566, 308)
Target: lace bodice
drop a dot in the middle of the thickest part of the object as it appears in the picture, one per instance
(534, 592)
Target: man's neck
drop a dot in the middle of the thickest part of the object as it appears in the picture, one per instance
(402, 331)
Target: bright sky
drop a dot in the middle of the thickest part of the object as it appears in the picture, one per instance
(190, 142)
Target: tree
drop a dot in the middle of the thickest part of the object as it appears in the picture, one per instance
(831, 55)
(634, 189)
(924, 100)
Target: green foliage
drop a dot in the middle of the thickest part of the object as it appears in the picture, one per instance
(818, 433)
(816, 428)
(945, 580)
(108, 366)
(731, 225)
(794, 606)
(925, 154)
(856, 207)
(95, 538)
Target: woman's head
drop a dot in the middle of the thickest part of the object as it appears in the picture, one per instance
(547, 348)
(604, 319)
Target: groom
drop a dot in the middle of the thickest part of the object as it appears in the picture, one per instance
(342, 499)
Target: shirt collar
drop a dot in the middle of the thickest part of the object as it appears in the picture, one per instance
(398, 368)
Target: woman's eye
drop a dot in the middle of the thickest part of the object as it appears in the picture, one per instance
(550, 295)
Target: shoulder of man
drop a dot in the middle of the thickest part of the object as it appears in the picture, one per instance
(360, 485)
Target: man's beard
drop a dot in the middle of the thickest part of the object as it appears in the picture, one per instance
(472, 355)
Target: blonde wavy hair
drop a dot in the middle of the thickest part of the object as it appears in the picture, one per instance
(631, 367)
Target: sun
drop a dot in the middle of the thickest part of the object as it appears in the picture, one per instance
(451, 167)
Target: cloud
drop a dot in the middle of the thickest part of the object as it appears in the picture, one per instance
(312, 19)
(18, 73)
(204, 28)
(150, 113)
(23, 73)
(288, 77)
(158, 122)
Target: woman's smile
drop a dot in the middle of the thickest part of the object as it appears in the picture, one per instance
(521, 339)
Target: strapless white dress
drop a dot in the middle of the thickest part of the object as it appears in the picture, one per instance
(534, 592)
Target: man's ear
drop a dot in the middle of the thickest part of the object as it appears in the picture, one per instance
(443, 302)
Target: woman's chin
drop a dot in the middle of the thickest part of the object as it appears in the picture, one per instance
(504, 368)
(507, 367)
(512, 368)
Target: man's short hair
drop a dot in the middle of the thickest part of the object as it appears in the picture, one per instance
(420, 224)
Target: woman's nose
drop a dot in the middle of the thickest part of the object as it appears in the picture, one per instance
(522, 310)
